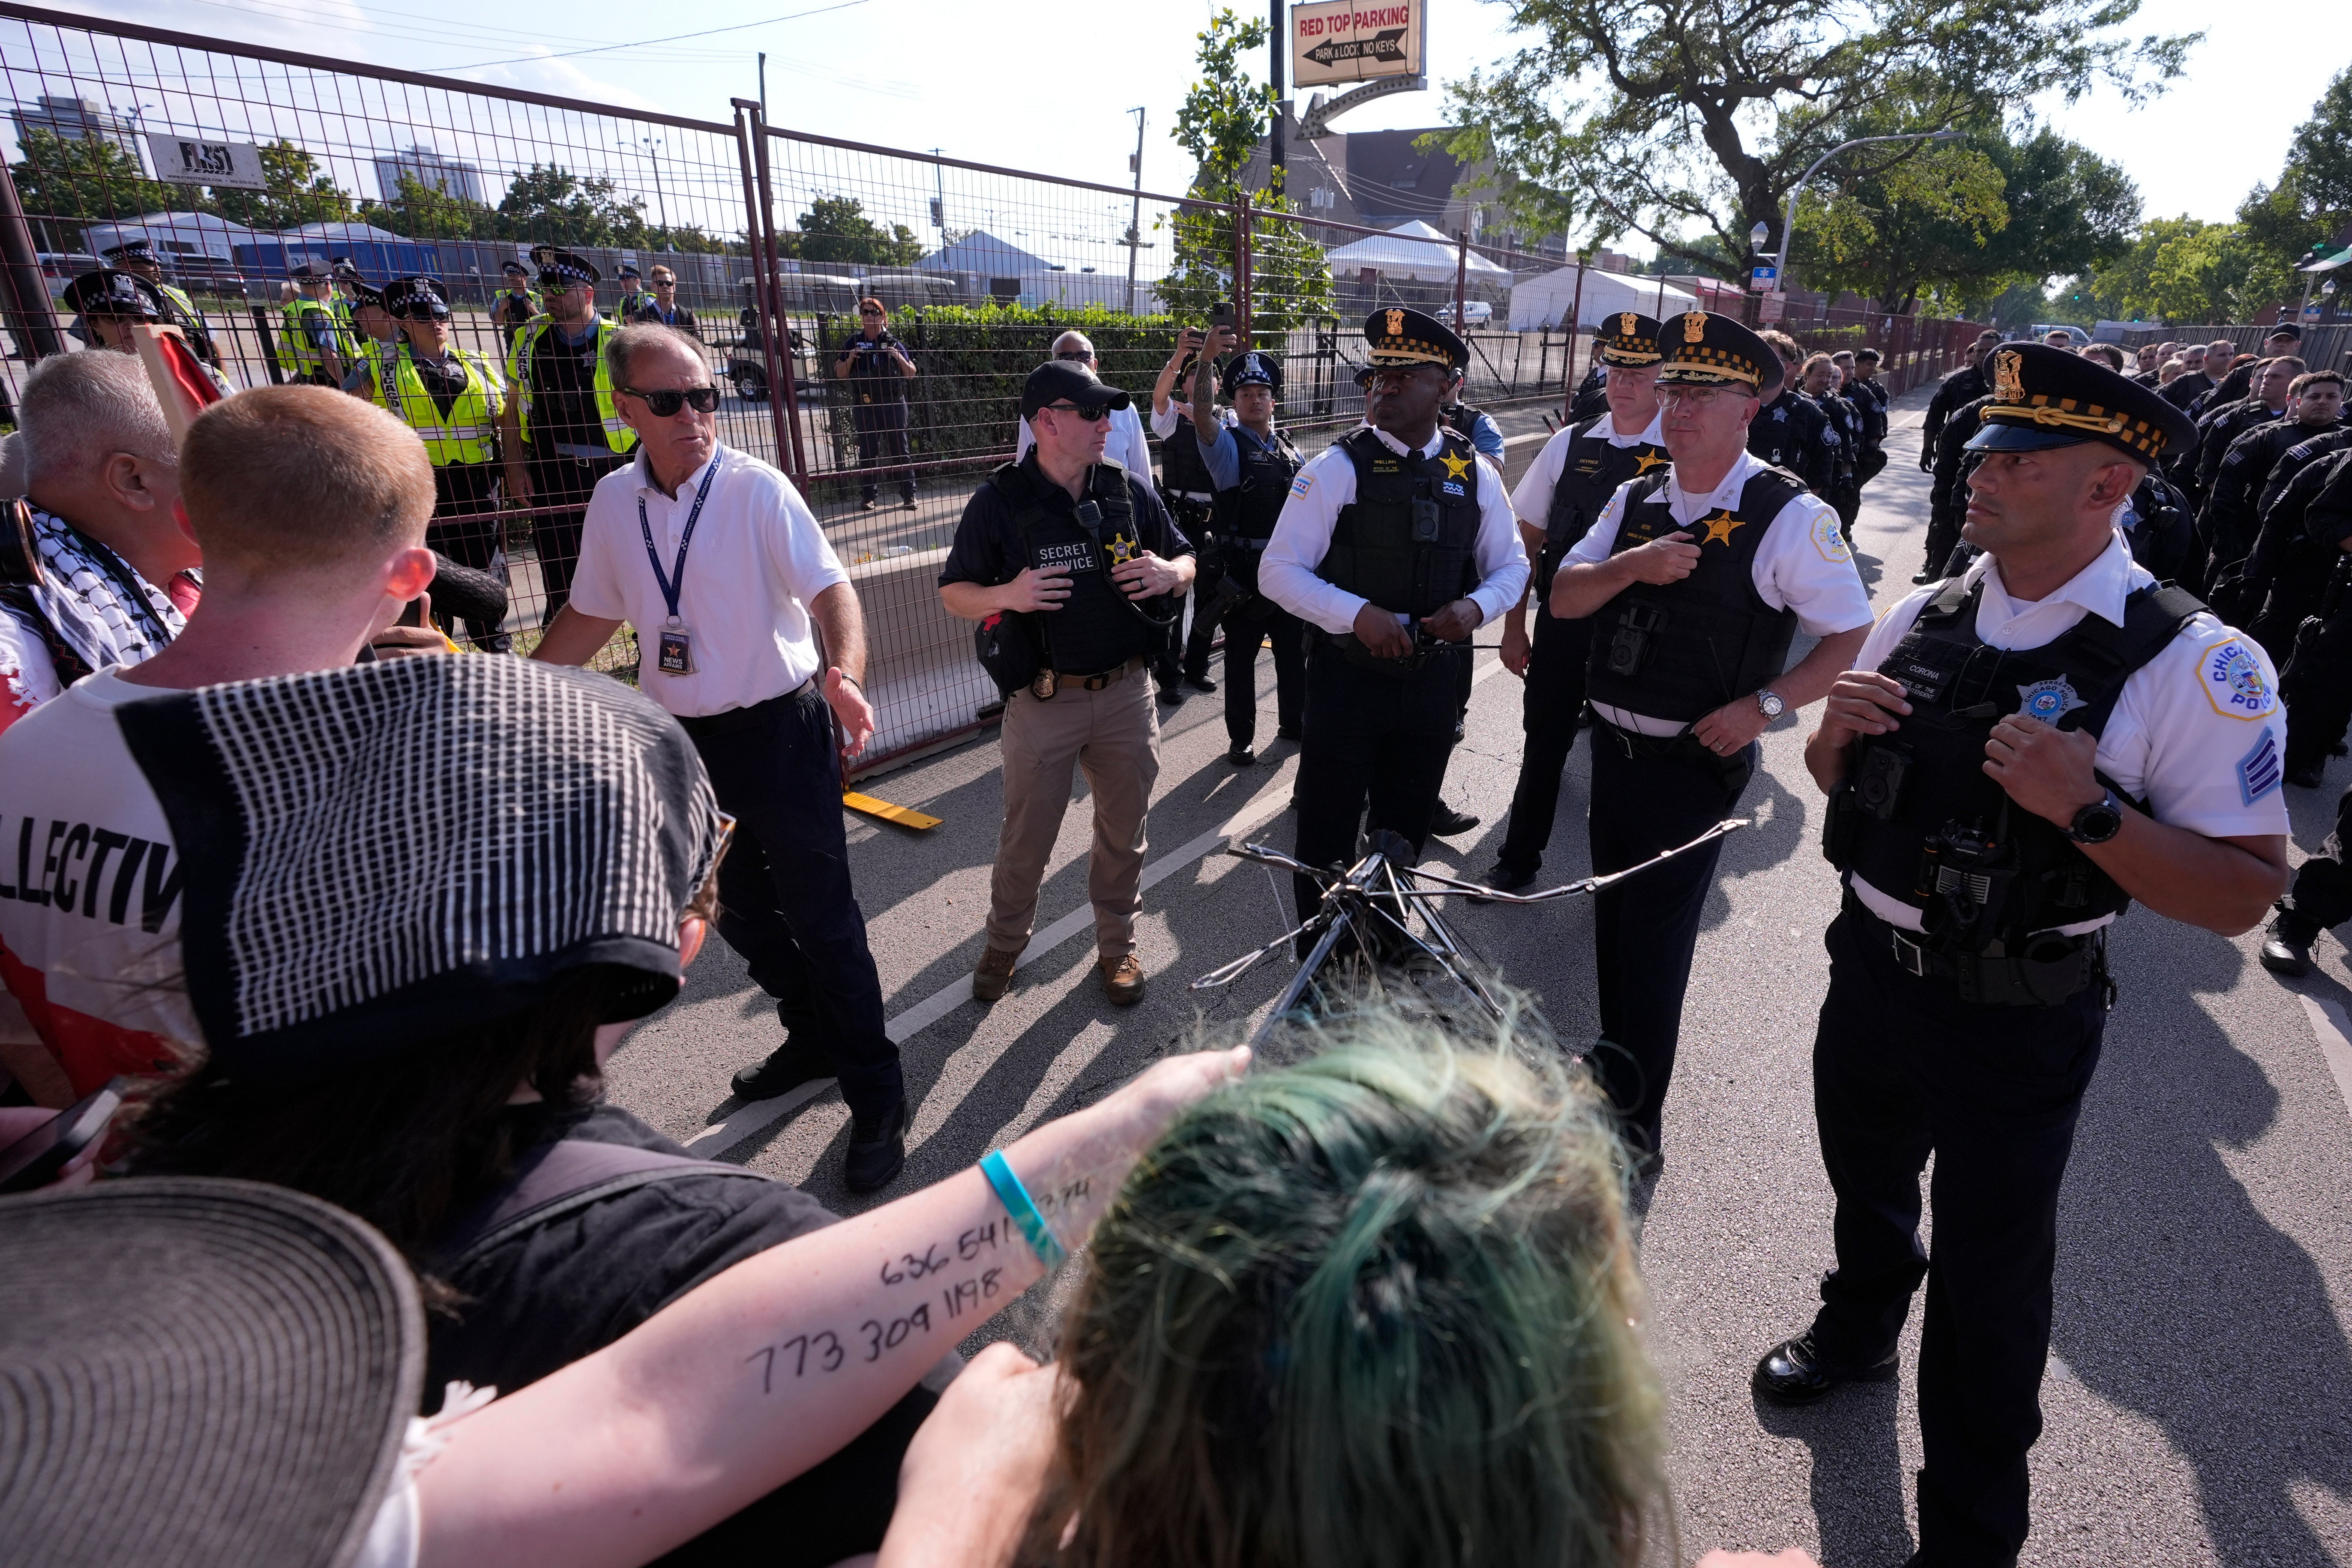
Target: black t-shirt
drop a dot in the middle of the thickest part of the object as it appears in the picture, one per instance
(875, 375)
(987, 547)
(563, 375)
(571, 1287)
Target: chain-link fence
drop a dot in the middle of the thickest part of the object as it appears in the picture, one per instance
(238, 163)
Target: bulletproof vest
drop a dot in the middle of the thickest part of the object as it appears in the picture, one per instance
(1677, 651)
(1097, 628)
(1408, 541)
(1590, 473)
(1782, 430)
(1181, 468)
(1920, 819)
(1249, 510)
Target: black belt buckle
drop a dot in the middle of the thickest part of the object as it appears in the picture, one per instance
(1908, 955)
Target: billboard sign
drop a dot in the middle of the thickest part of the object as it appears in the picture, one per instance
(200, 161)
(1354, 40)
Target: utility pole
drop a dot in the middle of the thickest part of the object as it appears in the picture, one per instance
(1280, 42)
(763, 84)
(1134, 220)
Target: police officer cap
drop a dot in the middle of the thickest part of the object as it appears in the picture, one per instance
(1699, 347)
(1066, 381)
(1400, 337)
(629, 269)
(107, 292)
(516, 268)
(363, 295)
(1626, 338)
(562, 269)
(1250, 370)
(539, 253)
(416, 299)
(129, 250)
(345, 269)
(2044, 397)
(308, 272)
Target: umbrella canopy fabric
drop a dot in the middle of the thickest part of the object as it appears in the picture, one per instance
(1412, 250)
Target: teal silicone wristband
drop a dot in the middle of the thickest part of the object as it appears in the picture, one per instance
(1023, 1209)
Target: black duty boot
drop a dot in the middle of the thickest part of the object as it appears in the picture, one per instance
(877, 1150)
(786, 1068)
(2286, 946)
(1794, 1372)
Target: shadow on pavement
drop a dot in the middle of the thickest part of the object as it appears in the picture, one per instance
(1858, 1484)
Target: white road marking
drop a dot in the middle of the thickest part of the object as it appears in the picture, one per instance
(720, 1136)
(2335, 1036)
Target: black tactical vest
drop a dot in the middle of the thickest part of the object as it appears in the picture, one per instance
(1589, 472)
(1097, 628)
(1678, 651)
(1408, 541)
(1918, 819)
(1182, 470)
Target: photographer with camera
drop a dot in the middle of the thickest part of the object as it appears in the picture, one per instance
(1071, 564)
(2015, 755)
(1252, 468)
(878, 369)
(1191, 499)
(1697, 576)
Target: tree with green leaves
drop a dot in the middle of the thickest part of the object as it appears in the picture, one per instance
(2311, 203)
(2187, 271)
(1958, 225)
(1222, 122)
(295, 192)
(549, 204)
(419, 211)
(1688, 124)
(836, 229)
(65, 182)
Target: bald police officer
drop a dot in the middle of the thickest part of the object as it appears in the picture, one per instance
(1559, 499)
(1699, 575)
(1396, 544)
(2017, 753)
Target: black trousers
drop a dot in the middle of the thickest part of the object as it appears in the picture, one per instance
(1374, 751)
(1548, 713)
(2322, 893)
(1902, 1067)
(881, 436)
(558, 481)
(467, 528)
(2315, 686)
(1244, 632)
(1649, 795)
(784, 899)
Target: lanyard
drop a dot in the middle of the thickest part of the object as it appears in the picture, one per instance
(671, 585)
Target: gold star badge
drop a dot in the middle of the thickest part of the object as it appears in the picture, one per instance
(1648, 460)
(1718, 527)
(1456, 468)
(1121, 551)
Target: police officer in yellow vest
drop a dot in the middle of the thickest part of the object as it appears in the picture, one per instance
(138, 259)
(374, 339)
(561, 431)
(633, 295)
(515, 304)
(311, 347)
(348, 284)
(452, 400)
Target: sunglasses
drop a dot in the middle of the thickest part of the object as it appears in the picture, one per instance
(665, 402)
(1082, 355)
(877, 315)
(1089, 411)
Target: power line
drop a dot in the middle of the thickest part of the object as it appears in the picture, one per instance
(648, 43)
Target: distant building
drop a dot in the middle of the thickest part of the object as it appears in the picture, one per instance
(79, 119)
(429, 169)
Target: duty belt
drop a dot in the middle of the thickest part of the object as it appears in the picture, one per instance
(1064, 681)
(2052, 967)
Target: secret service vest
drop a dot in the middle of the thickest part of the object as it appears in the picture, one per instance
(1097, 628)
(1408, 542)
(1678, 651)
(1918, 816)
(1589, 472)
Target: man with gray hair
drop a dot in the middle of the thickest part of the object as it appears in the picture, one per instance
(94, 572)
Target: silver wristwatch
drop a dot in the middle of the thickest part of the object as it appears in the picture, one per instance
(1770, 702)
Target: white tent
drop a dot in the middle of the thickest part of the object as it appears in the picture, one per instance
(1412, 250)
(1550, 298)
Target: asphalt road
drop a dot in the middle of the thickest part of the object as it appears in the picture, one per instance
(2198, 1405)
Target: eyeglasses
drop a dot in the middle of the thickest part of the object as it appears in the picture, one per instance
(1696, 396)
(664, 404)
(1087, 412)
(1082, 355)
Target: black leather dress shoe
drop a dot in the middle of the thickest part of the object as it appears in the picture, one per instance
(787, 1068)
(2287, 946)
(1793, 1373)
(1922, 577)
(877, 1152)
(1172, 696)
(1505, 879)
(1445, 822)
(1198, 682)
(1240, 756)
(2310, 775)
(1290, 732)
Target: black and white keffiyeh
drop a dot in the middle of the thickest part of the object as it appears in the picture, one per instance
(377, 854)
(102, 609)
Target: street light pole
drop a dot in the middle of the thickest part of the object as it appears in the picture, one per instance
(1134, 220)
(652, 145)
(1788, 222)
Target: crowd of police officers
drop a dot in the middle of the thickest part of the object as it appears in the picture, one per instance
(2042, 733)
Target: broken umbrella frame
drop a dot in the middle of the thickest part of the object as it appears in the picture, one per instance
(1373, 900)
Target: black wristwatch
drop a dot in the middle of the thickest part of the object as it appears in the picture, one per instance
(2098, 822)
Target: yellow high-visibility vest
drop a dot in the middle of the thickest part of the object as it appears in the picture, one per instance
(296, 354)
(618, 436)
(467, 435)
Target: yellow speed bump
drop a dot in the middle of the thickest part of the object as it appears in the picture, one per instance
(906, 816)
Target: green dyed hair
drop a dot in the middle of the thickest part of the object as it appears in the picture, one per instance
(1372, 1310)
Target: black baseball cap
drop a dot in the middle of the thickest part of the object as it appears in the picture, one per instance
(1058, 381)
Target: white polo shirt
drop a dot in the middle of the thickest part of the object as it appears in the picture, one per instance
(757, 561)
(1802, 564)
(2196, 731)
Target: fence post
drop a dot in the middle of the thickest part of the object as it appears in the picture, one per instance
(1567, 376)
(268, 343)
(783, 406)
(33, 319)
(1242, 266)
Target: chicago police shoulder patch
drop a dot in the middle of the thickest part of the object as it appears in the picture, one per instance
(1829, 538)
(2235, 681)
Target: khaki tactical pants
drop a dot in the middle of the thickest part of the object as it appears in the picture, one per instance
(1113, 736)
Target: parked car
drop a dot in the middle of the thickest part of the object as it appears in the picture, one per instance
(207, 274)
(60, 267)
(2043, 329)
(1474, 313)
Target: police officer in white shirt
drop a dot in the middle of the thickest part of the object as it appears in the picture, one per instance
(1697, 576)
(2017, 753)
(717, 562)
(1396, 544)
(1128, 447)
